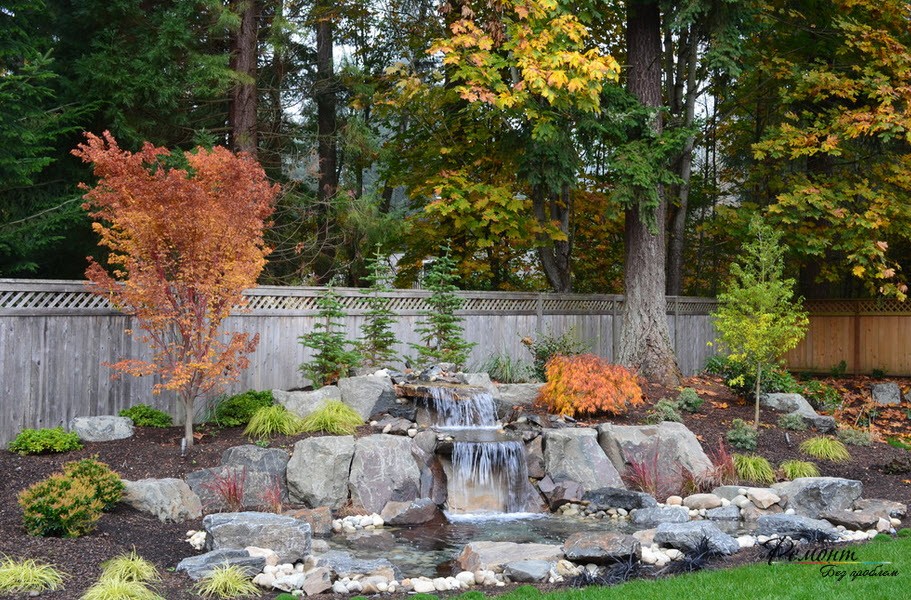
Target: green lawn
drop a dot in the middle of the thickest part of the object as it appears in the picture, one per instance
(756, 582)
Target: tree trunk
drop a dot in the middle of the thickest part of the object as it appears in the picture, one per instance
(243, 104)
(556, 255)
(327, 151)
(188, 421)
(758, 393)
(645, 341)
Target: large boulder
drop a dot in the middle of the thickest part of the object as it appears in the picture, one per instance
(810, 496)
(258, 471)
(105, 428)
(574, 454)
(318, 471)
(510, 395)
(200, 566)
(796, 403)
(344, 564)
(383, 470)
(492, 556)
(795, 526)
(884, 508)
(528, 571)
(607, 497)
(675, 446)
(534, 458)
(850, 519)
(319, 518)
(368, 395)
(171, 500)
(688, 537)
(415, 512)
(288, 537)
(600, 547)
(886, 394)
(646, 518)
(303, 403)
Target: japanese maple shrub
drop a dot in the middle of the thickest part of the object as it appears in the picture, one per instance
(588, 384)
(183, 242)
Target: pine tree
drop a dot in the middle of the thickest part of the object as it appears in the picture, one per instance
(376, 347)
(441, 330)
(758, 318)
(331, 360)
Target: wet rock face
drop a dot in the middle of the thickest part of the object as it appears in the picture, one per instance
(383, 470)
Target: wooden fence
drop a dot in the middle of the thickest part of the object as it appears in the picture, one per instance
(55, 335)
(867, 335)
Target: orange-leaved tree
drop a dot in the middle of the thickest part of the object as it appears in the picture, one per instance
(588, 384)
(183, 243)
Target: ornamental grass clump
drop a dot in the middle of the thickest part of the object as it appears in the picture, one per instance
(754, 468)
(333, 417)
(588, 384)
(111, 588)
(825, 448)
(273, 420)
(130, 567)
(795, 469)
(27, 576)
(226, 582)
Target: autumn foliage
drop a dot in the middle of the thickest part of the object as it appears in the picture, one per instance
(183, 244)
(588, 384)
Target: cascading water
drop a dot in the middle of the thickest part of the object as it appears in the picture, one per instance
(474, 412)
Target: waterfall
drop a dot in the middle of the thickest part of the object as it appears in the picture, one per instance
(494, 471)
(476, 411)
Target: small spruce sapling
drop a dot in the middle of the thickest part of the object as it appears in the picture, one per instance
(758, 318)
(379, 338)
(440, 329)
(331, 359)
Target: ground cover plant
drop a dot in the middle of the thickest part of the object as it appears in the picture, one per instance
(240, 408)
(144, 415)
(37, 441)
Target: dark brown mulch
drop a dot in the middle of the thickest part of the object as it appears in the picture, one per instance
(156, 453)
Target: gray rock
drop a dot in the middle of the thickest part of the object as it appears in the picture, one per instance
(600, 547)
(534, 458)
(198, 567)
(416, 512)
(886, 394)
(688, 536)
(676, 446)
(700, 501)
(574, 454)
(884, 508)
(260, 470)
(480, 380)
(762, 497)
(344, 564)
(510, 395)
(850, 519)
(319, 518)
(528, 571)
(288, 537)
(810, 496)
(788, 403)
(821, 423)
(253, 458)
(607, 497)
(564, 492)
(393, 425)
(171, 500)
(303, 403)
(652, 517)
(728, 492)
(317, 581)
(751, 512)
(723, 513)
(368, 395)
(318, 471)
(383, 470)
(795, 526)
(494, 555)
(105, 428)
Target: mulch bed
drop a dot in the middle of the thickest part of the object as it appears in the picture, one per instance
(156, 453)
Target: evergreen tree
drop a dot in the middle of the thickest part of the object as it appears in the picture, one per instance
(376, 347)
(331, 360)
(441, 330)
(758, 318)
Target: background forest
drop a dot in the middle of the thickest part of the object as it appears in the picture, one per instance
(521, 132)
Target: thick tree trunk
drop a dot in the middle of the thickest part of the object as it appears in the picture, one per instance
(327, 150)
(556, 255)
(243, 104)
(645, 341)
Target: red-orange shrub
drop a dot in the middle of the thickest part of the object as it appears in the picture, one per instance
(588, 384)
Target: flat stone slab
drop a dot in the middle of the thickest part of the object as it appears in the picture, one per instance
(416, 512)
(795, 526)
(288, 537)
(810, 496)
(493, 556)
(600, 548)
(528, 571)
(344, 564)
(104, 428)
(688, 537)
(723, 513)
(884, 508)
(650, 517)
(198, 567)
(849, 519)
(608, 497)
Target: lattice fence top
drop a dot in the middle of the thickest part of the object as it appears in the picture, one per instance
(875, 306)
(31, 297)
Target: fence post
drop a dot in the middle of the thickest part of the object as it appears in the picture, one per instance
(856, 349)
(539, 313)
(615, 330)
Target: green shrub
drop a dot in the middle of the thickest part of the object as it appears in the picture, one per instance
(840, 369)
(378, 341)
(878, 373)
(792, 421)
(742, 435)
(38, 441)
(273, 420)
(60, 506)
(503, 368)
(108, 485)
(238, 410)
(825, 448)
(549, 344)
(144, 415)
(689, 400)
(330, 360)
(664, 410)
(855, 437)
(820, 395)
(130, 567)
(754, 468)
(794, 469)
(111, 588)
(226, 582)
(742, 379)
(28, 576)
(333, 417)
